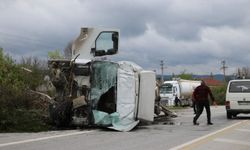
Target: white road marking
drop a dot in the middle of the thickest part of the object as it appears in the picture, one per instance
(205, 136)
(44, 138)
(243, 130)
(232, 141)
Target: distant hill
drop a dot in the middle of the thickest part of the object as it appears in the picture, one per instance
(219, 77)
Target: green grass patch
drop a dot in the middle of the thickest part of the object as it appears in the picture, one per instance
(21, 120)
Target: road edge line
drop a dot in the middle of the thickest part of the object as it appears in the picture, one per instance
(44, 138)
(206, 136)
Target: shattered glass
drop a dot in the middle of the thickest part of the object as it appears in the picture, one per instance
(103, 78)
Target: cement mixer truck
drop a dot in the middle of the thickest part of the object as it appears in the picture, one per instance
(178, 88)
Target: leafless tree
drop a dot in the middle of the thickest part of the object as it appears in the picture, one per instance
(33, 62)
(243, 72)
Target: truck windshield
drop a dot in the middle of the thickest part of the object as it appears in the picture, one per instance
(240, 87)
(166, 88)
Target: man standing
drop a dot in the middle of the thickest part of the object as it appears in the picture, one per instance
(201, 98)
(177, 101)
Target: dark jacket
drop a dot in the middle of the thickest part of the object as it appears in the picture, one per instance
(201, 93)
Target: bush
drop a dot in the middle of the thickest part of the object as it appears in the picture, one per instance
(219, 94)
(22, 120)
(16, 105)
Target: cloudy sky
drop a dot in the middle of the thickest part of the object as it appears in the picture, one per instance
(189, 35)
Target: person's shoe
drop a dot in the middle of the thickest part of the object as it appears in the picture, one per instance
(209, 123)
(196, 123)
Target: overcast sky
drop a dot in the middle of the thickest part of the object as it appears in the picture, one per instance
(190, 35)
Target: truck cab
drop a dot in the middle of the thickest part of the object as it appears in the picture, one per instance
(180, 88)
(91, 90)
(95, 42)
(168, 91)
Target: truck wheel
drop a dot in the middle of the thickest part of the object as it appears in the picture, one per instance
(229, 115)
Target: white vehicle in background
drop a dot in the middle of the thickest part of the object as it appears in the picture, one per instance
(237, 97)
(183, 89)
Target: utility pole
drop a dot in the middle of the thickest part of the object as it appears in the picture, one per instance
(223, 68)
(162, 70)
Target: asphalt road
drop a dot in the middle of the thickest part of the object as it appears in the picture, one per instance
(177, 133)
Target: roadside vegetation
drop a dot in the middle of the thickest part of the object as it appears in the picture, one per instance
(20, 110)
(219, 94)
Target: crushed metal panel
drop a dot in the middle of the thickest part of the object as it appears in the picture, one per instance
(79, 101)
(125, 126)
(113, 121)
(84, 42)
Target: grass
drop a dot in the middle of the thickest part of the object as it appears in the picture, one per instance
(21, 120)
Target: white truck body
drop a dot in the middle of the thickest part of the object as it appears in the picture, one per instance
(117, 94)
(183, 89)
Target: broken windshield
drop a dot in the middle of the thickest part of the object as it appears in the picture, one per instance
(103, 85)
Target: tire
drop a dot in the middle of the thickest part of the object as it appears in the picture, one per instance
(229, 115)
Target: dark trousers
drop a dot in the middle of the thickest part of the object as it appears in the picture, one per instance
(200, 106)
(194, 107)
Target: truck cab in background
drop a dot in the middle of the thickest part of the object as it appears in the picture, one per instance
(168, 92)
(178, 88)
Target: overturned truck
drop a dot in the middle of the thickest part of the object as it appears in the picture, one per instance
(93, 91)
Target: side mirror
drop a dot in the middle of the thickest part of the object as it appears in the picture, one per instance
(111, 51)
(100, 53)
(115, 40)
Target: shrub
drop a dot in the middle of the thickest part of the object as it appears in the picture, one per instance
(17, 111)
(219, 94)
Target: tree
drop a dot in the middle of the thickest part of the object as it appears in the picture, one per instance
(219, 94)
(56, 54)
(17, 109)
(11, 83)
(243, 72)
(186, 76)
(38, 68)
